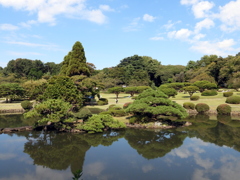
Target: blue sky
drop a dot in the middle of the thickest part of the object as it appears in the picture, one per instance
(173, 32)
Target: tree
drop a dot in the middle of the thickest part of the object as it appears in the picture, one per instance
(201, 85)
(169, 91)
(10, 91)
(33, 89)
(151, 104)
(62, 87)
(191, 89)
(131, 90)
(51, 110)
(116, 90)
(75, 62)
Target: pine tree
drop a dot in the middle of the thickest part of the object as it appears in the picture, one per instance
(75, 62)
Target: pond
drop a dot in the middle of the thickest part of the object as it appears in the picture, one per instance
(208, 149)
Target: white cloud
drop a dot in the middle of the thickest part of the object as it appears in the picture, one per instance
(156, 38)
(230, 16)
(201, 8)
(182, 34)
(8, 27)
(206, 23)
(149, 18)
(47, 10)
(170, 24)
(134, 25)
(106, 8)
(188, 2)
(221, 48)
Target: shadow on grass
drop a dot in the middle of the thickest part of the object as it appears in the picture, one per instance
(185, 96)
(123, 97)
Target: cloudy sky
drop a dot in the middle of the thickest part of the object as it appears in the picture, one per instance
(172, 32)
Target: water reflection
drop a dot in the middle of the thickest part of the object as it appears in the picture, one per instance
(208, 149)
(15, 120)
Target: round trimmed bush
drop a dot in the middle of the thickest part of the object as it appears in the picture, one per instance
(102, 101)
(126, 105)
(118, 113)
(194, 98)
(202, 108)
(233, 100)
(26, 105)
(84, 114)
(209, 93)
(227, 94)
(189, 105)
(224, 109)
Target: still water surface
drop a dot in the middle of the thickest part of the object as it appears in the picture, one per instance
(209, 149)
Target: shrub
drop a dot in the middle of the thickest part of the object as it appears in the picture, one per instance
(189, 105)
(224, 109)
(202, 108)
(84, 114)
(209, 93)
(26, 105)
(118, 113)
(102, 101)
(126, 105)
(194, 98)
(233, 100)
(227, 94)
(105, 112)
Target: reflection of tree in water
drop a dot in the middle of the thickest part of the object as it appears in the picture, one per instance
(59, 151)
(151, 144)
(15, 120)
(223, 132)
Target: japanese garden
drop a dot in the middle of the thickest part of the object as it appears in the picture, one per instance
(131, 121)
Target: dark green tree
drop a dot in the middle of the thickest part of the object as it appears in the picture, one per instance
(116, 90)
(154, 103)
(11, 91)
(75, 62)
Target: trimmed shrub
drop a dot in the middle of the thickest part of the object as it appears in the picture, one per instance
(194, 98)
(209, 93)
(26, 105)
(118, 113)
(84, 114)
(189, 105)
(233, 100)
(110, 106)
(202, 108)
(224, 109)
(126, 105)
(227, 94)
(102, 101)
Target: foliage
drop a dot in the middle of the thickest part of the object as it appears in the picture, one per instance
(202, 85)
(10, 91)
(102, 101)
(153, 103)
(224, 109)
(209, 93)
(194, 98)
(116, 111)
(227, 94)
(97, 123)
(189, 105)
(53, 110)
(116, 90)
(33, 89)
(75, 62)
(27, 105)
(191, 89)
(131, 90)
(202, 108)
(84, 113)
(64, 88)
(233, 100)
(169, 91)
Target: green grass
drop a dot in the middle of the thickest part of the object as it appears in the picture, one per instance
(212, 101)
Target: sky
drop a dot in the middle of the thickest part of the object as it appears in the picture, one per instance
(171, 31)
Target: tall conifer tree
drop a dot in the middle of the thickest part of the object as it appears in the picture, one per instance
(75, 62)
